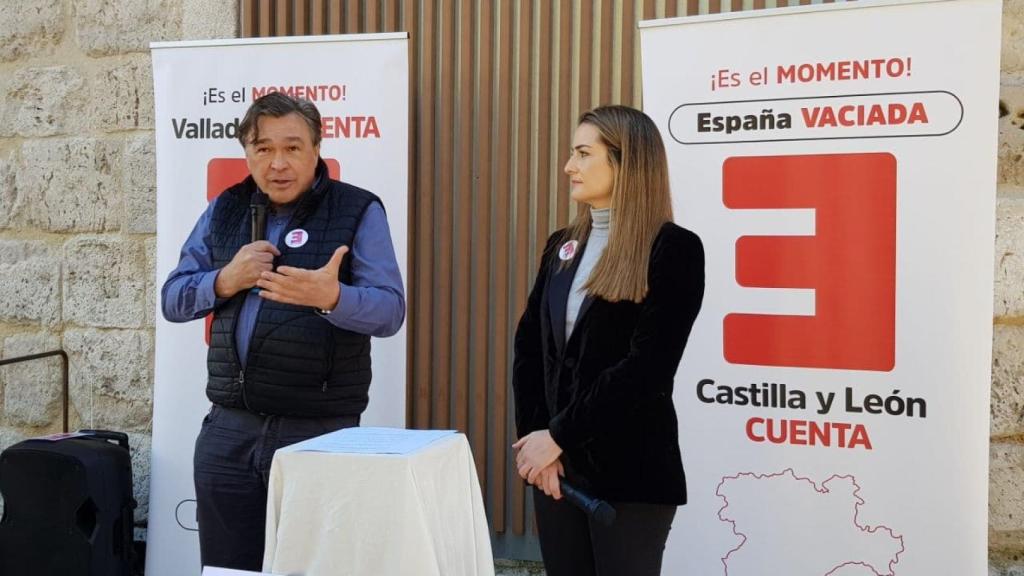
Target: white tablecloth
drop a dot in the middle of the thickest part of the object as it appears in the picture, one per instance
(377, 515)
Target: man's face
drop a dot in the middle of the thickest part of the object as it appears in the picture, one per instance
(283, 160)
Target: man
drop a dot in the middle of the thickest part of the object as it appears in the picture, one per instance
(289, 354)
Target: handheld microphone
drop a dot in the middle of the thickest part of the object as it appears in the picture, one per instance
(258, 219)
(594, 507)
(258, 212)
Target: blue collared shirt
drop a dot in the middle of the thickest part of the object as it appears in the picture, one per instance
(373, 304)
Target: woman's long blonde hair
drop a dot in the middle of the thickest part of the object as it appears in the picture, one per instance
(641, 202)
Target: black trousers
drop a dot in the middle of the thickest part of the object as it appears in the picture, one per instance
(572, 545)
(233, 454)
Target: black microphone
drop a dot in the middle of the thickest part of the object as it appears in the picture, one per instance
(258, 212)
(594, 507)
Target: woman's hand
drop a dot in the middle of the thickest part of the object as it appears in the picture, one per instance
(536, 451)
(547, 479)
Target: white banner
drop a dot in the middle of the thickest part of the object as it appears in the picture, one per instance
(839, 163)
(202, 90)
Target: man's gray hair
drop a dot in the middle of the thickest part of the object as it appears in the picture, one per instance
(276, 105)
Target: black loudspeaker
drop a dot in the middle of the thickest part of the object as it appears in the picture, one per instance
(68, 507)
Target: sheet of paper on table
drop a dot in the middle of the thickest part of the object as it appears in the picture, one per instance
(370, 441)
(214, 571)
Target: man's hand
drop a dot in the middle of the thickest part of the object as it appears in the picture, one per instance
(316, 288)
(536, 451)
(245, 268)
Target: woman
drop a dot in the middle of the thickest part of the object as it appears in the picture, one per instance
(597, 350)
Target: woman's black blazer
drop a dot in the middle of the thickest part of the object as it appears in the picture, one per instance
(606, 393)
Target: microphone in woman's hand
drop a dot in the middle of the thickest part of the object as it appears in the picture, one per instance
(594, 507)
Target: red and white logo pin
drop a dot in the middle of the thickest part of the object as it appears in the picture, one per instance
(568, 250)
(296, 238)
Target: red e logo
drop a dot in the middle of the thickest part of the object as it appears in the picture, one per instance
(296, 238)
(850, 262)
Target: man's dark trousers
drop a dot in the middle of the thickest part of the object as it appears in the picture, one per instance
(233, 454)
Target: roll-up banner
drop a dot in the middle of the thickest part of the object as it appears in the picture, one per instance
(202, 89)
(839, 163)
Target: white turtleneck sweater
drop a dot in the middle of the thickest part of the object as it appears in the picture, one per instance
(600, 227)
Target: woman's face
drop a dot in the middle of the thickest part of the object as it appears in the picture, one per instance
(591, 175)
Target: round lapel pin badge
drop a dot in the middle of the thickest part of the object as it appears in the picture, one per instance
(568, 250)
(296, 238)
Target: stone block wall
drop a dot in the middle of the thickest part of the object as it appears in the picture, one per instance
(1006, 468)
(78, 209)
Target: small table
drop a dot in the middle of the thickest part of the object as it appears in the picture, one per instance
(331, 514)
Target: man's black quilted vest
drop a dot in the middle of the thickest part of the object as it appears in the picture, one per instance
(299, 364)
